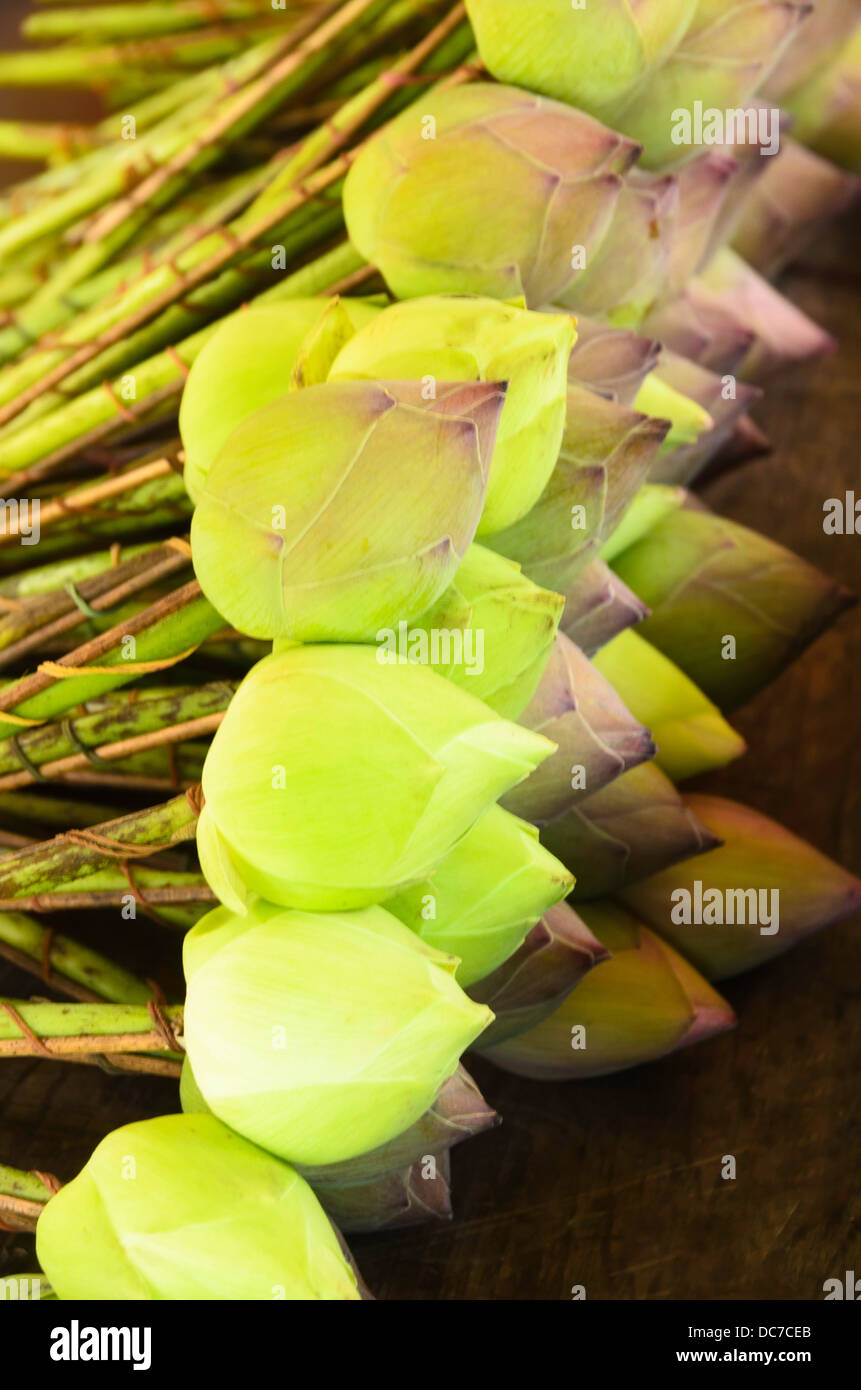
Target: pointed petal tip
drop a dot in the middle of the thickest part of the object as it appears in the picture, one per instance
(710, 1020)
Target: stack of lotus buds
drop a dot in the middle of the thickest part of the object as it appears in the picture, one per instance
(360, 622)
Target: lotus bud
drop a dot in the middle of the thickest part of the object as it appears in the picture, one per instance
(825, 110)
(759, 894)
(613, 362)
(598, 606)
(553, 959)
(729, 606)
(596, 737)
(606, 455)
(724, 400)
(290, 538)
(248, 363)
(335, 781)
(727, 303)
(321, 1037)
(629, 271)
(625, 832)
(491, 633)
(643, 1003)
(691, 733)
(394, 1201)
(489, 190)
(752, 159)
(726, 54)
(455, 338)
(182, 1208)
(485, 896)
(745, 442)
(827, 30)
(688, 420)
(593, 57)
(705, 185)
(651, 503)
(459, 1111)
(790, 206)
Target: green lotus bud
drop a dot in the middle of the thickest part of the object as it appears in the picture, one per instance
(729, 318)
(651, 503)
(724, 56)
(643, 1003)
(448, 338)
(760, 893)
(489, 190)
(589, 56)
(827, 30)
(790, 207)
(484, 897)
(248, 363)
(628, 830)
(459, 1111)
(344, 508)
(691, 733)
(730, 607)
(395, 1200)
(630, 271)
(723, 402)
(181, 1208)
(687, 418)
(529, 986)
(611, 361)
(335, 781)
(598, 606)
(707, 186)
(606, 455)
(596, 737)
(491, 633)
(320, 1037)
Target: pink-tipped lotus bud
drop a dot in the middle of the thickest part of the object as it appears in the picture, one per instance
(643, 1003)
(408, 1197)
(553, 959)
(630, 271)
(729, 606)
(344, 508)
(489, 190)
(793, 203)
(596, 737)
(598, 606)
(461, 338)
(607, 452)
(762, 891)
(613, 362)
(731, 319)
(232, 377)
(625, 831)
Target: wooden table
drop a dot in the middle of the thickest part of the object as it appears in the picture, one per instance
(615, 1184)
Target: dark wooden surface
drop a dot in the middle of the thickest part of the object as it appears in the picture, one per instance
(615, 1184)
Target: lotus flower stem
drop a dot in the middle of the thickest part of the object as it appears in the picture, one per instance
(46, 618)
(81, 1030)
(66, 965)
(165, 284)
(141, 20)
(163, 634)
(51, 811)
(22, 1197)
(150, 721)
(77, 854)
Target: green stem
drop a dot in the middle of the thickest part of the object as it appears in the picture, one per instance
(97, 414)
(38, 868)
(85, 974)
(130, 1026)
